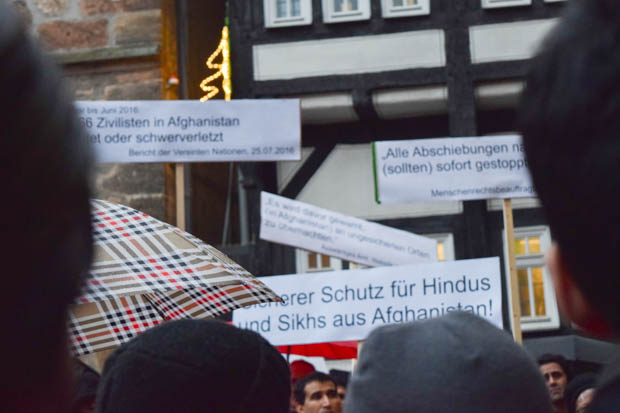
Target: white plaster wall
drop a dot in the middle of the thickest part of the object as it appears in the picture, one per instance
(345, 183)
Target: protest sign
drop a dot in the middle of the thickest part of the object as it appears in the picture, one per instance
(193, 131)
(451, 169)
(347, 305)
(301, 225)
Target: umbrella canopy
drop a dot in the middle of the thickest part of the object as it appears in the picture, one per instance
(145, 272)
(574, 348)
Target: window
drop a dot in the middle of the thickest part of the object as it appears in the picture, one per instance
(288, 9)
(490, 4)
(282, 13)
(335, 11)
(402, 8)
(314, 262)
(539, 309)
(445, 246)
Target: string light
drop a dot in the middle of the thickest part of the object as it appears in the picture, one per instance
(223, 70)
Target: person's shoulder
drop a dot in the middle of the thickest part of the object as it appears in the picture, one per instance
(607, 398)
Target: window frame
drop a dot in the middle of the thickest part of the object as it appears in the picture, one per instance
(272, 21)
(551, 321)
(301, 262)
(331, 16)
(496, 4)
(388, 11)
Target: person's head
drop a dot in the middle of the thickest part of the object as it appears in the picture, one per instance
(580, 392)
(453, 364)
(584, 400)
(341, 378)
(316, 393)
(46, 244)
(299, 369)
(571, 133)
(555, 371)
(195, 366)
(85, 389)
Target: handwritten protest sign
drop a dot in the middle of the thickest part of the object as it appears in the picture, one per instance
(451, 169)
(301, 225)
(347, 305)
(192, 131)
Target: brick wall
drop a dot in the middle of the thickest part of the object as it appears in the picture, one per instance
(109, 50)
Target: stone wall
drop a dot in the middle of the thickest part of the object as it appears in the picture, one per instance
(109, 50)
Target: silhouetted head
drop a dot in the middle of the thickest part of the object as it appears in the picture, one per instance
(569, 121)
(45, 244)
(195, 366)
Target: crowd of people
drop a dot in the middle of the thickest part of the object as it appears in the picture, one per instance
(469, 347)
(568, 394)
(458, 363)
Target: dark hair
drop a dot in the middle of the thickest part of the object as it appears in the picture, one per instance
(46, 243)
(569, 121)
(299, 391)
(556, 358)
(341, 377)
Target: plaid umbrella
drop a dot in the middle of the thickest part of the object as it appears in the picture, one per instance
(146, 272)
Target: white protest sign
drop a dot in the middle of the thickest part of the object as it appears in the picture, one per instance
(347, 305)
(301, 225)
(193, 131)
(454, 169)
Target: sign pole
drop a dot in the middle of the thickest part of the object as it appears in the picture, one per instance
(170, 91)
(360, 344)
(514, 284)
(179, 172)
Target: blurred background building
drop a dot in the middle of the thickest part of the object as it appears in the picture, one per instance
(364, 70)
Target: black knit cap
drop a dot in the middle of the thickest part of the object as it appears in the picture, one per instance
(195, 366)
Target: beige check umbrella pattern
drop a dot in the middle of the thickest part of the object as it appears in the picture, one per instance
(146, 272)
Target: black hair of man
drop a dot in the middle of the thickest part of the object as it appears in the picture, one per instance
(46, 243)
(558, 359)
(299, 391)
(341, 377)
(571, 133)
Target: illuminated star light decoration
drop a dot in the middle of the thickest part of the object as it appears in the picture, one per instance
(223, 70)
